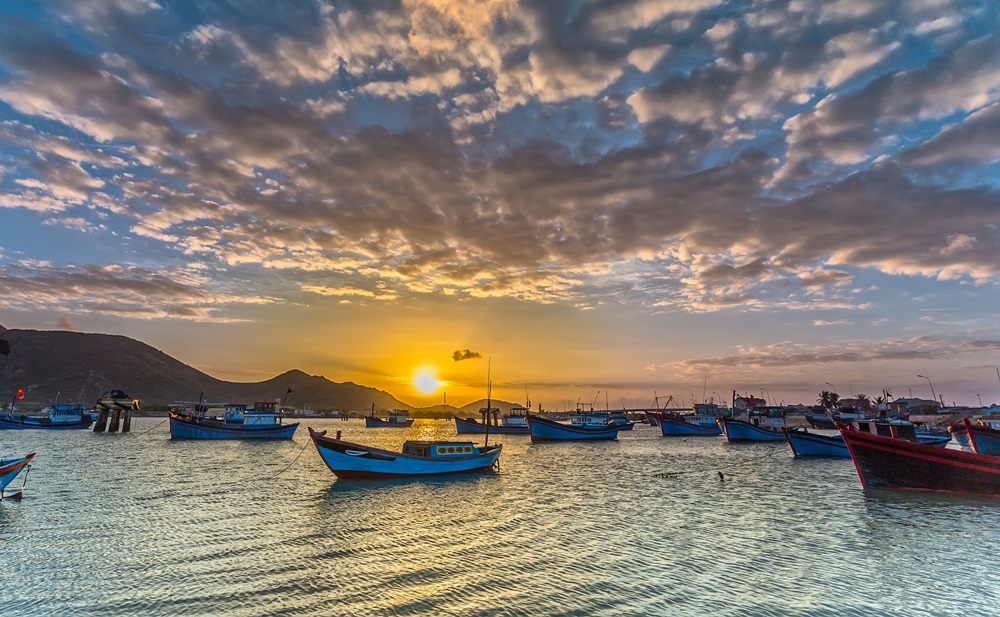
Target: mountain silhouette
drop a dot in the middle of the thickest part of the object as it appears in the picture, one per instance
(80, 367)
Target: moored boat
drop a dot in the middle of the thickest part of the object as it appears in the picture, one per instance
(417, 458)
(806, 444)
(9, 469)
(262, 421)
(60, 417)
(985, 439)
(889, 462)
(513, 423)
(397, 418)
(756, 427)
(687, 425)
(581, 427)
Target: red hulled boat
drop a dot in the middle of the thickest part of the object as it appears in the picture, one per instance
(888, 462)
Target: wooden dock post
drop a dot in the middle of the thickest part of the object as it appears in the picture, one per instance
(114, 421)
(102, 420)
(127, 421)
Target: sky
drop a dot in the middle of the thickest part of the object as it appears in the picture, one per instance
(609, 202)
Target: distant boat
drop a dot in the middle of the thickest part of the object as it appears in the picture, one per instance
(397, 418)
(805, 444)
(888, 462)
(581, 427)
(262, 421)
(9, 469)
(960, 433)
(513, 423)
(418, 457)
(756, 427)
(704, 421)
(985, 439)
(60, 417)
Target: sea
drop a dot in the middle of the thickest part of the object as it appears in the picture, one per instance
(137, 524)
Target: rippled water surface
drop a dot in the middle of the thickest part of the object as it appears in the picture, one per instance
(140, 525)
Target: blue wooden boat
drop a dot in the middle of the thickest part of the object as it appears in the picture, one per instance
(397, 418)
(418, 457)
(688, 426)
(9, 469)
(580, 427)
(985, 439)
(757, 427)
(57, 417)
(885, 461)
(806, 444)
(513, 423)
(262, 421)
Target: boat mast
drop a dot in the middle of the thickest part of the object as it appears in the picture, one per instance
(489, 386)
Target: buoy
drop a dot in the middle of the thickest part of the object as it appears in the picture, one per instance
(722, 476)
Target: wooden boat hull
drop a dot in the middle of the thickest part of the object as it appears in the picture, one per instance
(805, 444)
(473, 427)
(682, 428)
(19, 423)
(183, 428)
(886, 462)
(543, 429)
(984, 440)
(380, 423)
(9, 469)
(742, 431)
(351, 460)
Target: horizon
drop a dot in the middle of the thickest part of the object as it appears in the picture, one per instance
(573, 203)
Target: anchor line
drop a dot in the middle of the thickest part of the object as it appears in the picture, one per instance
(151, 428)
(294, 459)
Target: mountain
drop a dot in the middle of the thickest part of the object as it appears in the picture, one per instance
(82, 367)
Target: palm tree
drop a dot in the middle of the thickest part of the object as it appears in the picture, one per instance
(864, 403)
(828, 399)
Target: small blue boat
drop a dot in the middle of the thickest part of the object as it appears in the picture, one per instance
(58, 417)
(754, 428)
(262, 421)
(513, 423)
(985, 439)
(418, 458)
(581, 427)
(805, 444)
(687, 425)
(9, 469)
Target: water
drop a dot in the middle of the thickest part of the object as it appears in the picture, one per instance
(140, 525)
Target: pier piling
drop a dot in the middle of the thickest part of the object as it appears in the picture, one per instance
(102, 420)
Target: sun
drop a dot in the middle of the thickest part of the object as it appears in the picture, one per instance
(426, 382)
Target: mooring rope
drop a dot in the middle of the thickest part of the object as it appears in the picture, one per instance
(153, 427)
(294, 459)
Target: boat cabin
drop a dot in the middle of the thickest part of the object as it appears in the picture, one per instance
(66, 414)
(262, 413)
(898, 429)
(439, 449)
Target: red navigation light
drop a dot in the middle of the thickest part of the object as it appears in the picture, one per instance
(20, 394)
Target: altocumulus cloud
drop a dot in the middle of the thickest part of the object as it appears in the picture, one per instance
(679, 155)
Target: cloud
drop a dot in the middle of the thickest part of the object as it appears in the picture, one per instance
(66, 324)
(465, 354)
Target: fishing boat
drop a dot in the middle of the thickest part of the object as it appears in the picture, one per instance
(960, 433)
(62, 417)
(397, 418)
(417, 458)
(703, 422)
(9, 469)
(984, 436)
(580, 427)
(261, 421)
(888, 462)
(753, 427)
(904, 429)
(513, 423)
(806, 444)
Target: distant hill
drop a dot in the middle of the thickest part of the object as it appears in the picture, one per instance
(82, 367)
